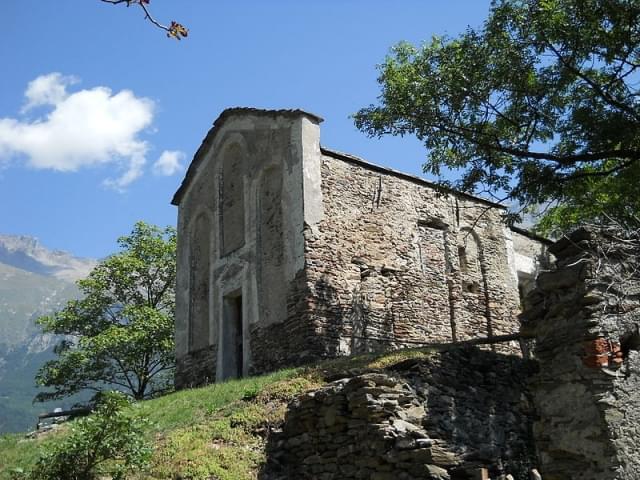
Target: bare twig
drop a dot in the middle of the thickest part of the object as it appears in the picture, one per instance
(174, 29)
(616, 257)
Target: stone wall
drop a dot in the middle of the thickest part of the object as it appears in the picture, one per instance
(459, 414)
(530, 257)
(289, 253)
(464, 413)
(393, 263)
(584, 316)
(292, 342)
(197, 368)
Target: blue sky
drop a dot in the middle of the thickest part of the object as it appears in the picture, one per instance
(99, 112)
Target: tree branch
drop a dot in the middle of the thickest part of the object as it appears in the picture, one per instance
(594, 85)
(175, 29)
(598, 173)
(565, 160)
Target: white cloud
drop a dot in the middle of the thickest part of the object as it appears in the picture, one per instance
(169, 163)
(47, 90)
(134, 171)
(87, 128)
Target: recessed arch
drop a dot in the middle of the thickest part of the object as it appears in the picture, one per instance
(270, 245)
(469, 253)
(474, 283)
(231, 201)
(200, 233)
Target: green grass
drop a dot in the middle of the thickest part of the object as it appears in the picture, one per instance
(18, 452)
(216, 431)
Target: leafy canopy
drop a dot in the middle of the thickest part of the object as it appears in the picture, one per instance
(120, 334)
(539, 106)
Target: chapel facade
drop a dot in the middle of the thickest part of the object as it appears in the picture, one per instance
(289, 252)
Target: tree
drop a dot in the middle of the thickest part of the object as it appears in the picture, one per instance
(611, 200)
(174, 29)
(120, 334)
(540, 106)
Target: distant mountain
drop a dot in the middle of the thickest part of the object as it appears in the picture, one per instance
(24, 296)
(33, 281)
(26, 253)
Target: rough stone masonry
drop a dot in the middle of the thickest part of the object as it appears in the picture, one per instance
(585, 317)
(457, 414)
(289, 252)
(571, 412)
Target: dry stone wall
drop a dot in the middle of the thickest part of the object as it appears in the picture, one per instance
(460, 414)
(584, 316)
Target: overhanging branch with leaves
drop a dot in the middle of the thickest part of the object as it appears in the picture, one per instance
(174, 29)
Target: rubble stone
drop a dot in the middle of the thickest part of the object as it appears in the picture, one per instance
(482, 422)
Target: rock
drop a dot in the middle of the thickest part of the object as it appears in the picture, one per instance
(441, 457)
(412, 414)
(414, 424)
(437, 473)
(403, 426)
(404, 443)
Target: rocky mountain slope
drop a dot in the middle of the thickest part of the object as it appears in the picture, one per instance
(33, 281)
(27, 254)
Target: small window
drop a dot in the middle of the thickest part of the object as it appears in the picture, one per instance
(433, 222)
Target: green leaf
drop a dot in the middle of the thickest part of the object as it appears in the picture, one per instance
(540, 105)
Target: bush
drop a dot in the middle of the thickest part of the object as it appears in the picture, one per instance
(108, 443)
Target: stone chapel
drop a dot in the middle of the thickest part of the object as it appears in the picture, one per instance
(289, 252)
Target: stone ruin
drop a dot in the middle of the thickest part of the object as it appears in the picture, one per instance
(569, 412)
(289, 253)
(584, 316)
(460, 413)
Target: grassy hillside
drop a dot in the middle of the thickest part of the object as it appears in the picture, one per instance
(216, 431)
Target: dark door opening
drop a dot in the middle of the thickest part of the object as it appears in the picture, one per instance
(233, 346)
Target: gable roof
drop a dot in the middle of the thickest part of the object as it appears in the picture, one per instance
(217, 124)
(230, 112)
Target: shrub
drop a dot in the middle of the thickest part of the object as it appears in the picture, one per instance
(108, 443)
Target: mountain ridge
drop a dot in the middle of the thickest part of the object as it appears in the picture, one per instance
(27, 253)
(34, 281)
